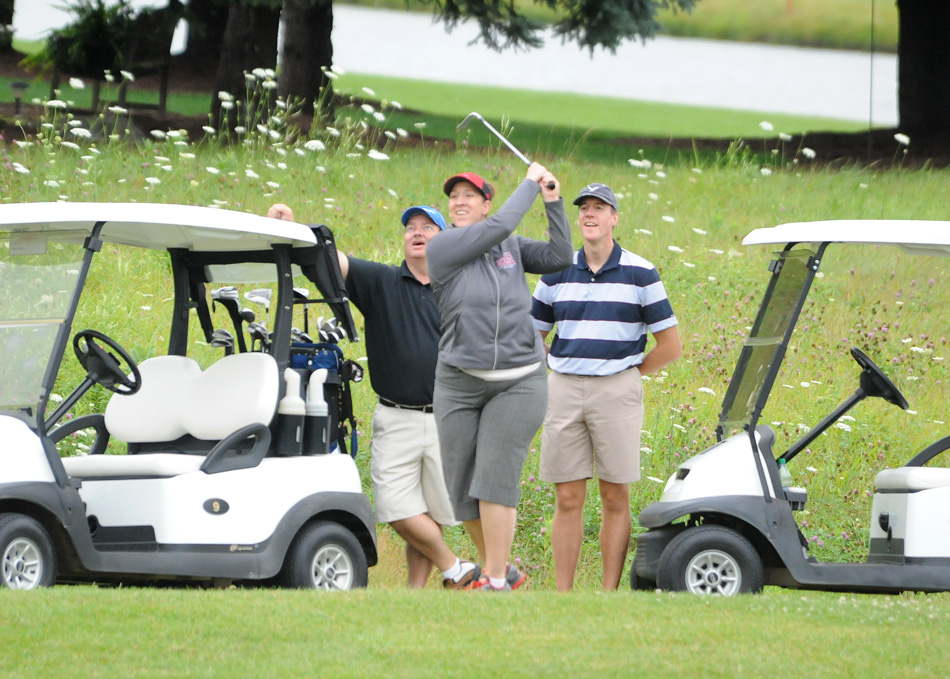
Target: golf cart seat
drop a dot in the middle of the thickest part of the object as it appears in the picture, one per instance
(914, 476)
(910, 479)
(233, 400)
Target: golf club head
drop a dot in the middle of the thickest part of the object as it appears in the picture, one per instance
(301, 293)
(247, 315)
(469, 118)
(221, 335)
(226, 293)
(260, 296)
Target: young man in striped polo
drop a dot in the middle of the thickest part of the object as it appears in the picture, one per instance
(602, 306)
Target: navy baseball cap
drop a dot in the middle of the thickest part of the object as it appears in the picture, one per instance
(483, 187)
(431, 212)
(601, 191)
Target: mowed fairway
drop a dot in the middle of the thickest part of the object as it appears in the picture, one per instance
(87, 632)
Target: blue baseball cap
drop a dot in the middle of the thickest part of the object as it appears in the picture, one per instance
(599, 191)
(430, 212)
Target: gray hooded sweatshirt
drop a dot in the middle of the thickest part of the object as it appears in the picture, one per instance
(478, 277)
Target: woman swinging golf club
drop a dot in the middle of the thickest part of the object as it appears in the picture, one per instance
(490, 384)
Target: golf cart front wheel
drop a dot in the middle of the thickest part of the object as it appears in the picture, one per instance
(326, 556)
(27, 559)
(710, 560)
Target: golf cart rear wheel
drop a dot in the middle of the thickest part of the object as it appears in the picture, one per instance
(326, 556)
(710, 560)
(27, 559)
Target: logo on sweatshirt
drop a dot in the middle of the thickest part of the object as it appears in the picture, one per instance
(506, 261)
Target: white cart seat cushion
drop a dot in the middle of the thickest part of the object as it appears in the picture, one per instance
(912, 478)
(152, 413)
(236, 391)
(156, 465)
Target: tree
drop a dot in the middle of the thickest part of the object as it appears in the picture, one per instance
(307, 52)
(206, 23)
(249, 42)
(923, 57)
(6, 20)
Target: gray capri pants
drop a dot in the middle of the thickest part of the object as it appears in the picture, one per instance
(485, 430)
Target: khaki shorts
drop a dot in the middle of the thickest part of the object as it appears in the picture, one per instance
(407, 468)
(592, 421)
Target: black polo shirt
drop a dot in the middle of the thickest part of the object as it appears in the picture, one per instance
(402, 329)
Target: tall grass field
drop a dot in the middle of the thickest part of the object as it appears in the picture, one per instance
(688, 218)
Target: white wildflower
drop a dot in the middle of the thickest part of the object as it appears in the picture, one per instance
(379, 116)
(127, 76)
(784, 136)
(225, 96)
(251, 174)
(273, 185)
(52, 183)
(153, 180)
(158, 134)
(667, 218)
(674, 248)
(707, 390)
(902, 139)
(70, 145)
(765, 171)
(213, 170)
(80, 132)
(315, 145)
(367, 108)
(208, 129)
(56, 103)
(809, 153)
(376, 155)
(699, 231)
(766, 125)
(369, 91)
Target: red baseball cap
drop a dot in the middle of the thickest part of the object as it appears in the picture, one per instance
(483, 187)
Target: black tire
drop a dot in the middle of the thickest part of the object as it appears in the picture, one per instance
(710, 560)
(638, 584)
(27, 559)
(325, 556)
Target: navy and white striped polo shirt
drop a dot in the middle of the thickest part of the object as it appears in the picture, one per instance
(602, 319)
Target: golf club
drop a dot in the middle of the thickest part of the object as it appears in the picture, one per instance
(462, 125)
(301, 296)
(223, 338)
(260, 296)
(228, 298)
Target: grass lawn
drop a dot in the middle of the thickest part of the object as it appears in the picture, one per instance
(88, 632)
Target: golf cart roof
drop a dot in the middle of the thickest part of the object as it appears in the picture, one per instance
(912, 236)
(155, 225)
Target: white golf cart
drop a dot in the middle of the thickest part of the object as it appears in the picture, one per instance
(218, 483)
(724, 523)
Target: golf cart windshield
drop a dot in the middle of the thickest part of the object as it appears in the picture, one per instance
(38, 277)
(792, 275)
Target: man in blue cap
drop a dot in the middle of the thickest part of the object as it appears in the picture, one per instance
(402, 329)
(603, 306)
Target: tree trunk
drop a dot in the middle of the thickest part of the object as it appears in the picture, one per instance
(6, 19)
(250, 41)
(306, 52)
(206, 23)
(924, 73)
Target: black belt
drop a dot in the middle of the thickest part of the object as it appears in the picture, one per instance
(393, 404)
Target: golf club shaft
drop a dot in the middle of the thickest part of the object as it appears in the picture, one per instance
(507, 143)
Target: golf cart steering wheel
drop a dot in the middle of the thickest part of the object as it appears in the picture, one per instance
(104, 368)
(875, 383)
